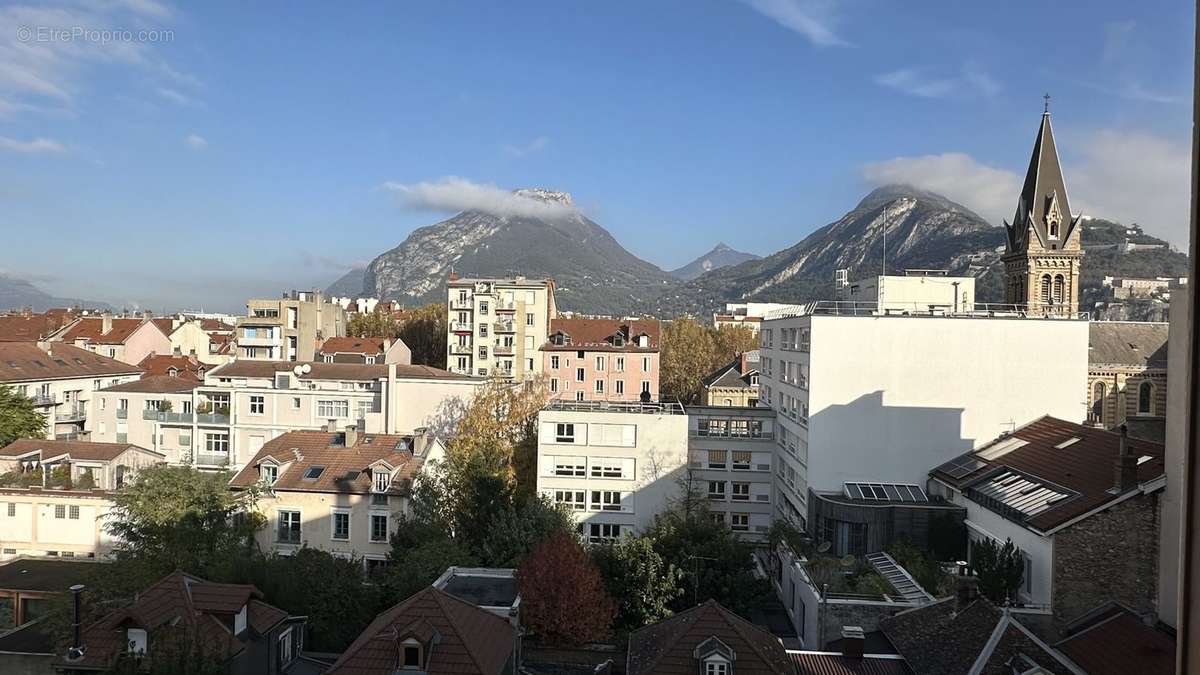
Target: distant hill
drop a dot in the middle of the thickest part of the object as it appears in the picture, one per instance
(349, 284)
(722, 255)
(18, 293)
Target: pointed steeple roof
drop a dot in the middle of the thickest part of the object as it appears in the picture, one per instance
(1044, 192)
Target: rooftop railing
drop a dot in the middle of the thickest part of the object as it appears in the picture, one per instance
(617, 407)
(977, 310)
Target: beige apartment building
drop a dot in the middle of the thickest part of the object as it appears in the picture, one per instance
(735, 384)
(341, 492)
(731, 459)
(289, 328)
(243, 405)
(61, 379)
(602, 359)
(59, 495)
(497, 326)
(194, 337)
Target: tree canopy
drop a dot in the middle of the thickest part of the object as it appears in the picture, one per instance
(563, 599)
(18, 417)
(692, 351)
(1000, 568)
(423, 329)
(643, 584)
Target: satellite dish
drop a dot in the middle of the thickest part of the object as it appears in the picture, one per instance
(824, 547)
(298, 370)
(307, 367)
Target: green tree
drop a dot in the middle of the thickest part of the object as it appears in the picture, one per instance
(412, 568)
(637, 576)
(176, 651)
(1000, 568)
(424, 331)
(18, 417)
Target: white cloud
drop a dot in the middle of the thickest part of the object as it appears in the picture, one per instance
(195, 142)
(814, 19)
(536, 145)
(1126, 176)
(453, 194)
(971, 78)
(174, 96)
(38, 146)
(990, 191)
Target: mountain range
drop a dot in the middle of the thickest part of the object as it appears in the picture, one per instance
(596, 275)
(18, 293)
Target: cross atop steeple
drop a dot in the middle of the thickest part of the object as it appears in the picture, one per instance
(1046, 98)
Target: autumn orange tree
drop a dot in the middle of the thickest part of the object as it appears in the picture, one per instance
(423, 329)
(691, 351)
(563, 599)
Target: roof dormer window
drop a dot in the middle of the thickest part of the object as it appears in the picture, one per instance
(715, 657)
(136, 640)
(410, 655)
(716, 665)
(560, 339)
(383, 480)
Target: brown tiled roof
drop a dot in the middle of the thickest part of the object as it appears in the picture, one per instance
(209, 325)
(827, 663)
(25, 362)
(472, 641)
(593, 334)
(185, 366)
(345, 469)
(1122, 343)
(222, 341)
(353, 345)
(184, 601)
(157, 384)
(32, 327)
(1117, 642)
(665, 648)
(331, 371)
(91, 328)
(85, 450)
(165, 324)
(1084, 467)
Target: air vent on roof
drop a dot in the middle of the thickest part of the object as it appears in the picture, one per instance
(1069, 442)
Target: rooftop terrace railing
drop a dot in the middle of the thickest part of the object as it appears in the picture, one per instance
(886, 308)
(618, 407)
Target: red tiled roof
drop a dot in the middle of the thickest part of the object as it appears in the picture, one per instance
(91, 328)
(86, 450)
(1118, 642)
(32, 327)
(353, 345)
(345, 469)
(26, 362)
(592, 334)
(826, 663)
(1084, 466)
(666, 648)
(331, 371)
(158, 384)
(472, 641)
(209, 325)
(185, 366)
(165, 324)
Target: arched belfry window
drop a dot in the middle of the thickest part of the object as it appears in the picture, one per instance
(1145, 398)
(1098, 393)
(1045, 290)
(1058, 288)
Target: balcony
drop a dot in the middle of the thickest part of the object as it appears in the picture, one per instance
(259, 341)
(212, 458)
(43, 400)
(503, 372)
(122, 413)
(459, 371)
(460, 327)
(467, 304)
(74, 413)
(212, 418)
(505, 327)
(460, 349)
(503, 350)
(169, 417)
(506, 306)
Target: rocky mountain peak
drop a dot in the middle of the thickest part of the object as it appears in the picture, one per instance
(544, 195)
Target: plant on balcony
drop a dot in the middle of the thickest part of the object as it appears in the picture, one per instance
(165, 406)
(204, 408)
(60, 477)
(221, 409)
(85, 482)
(19, 418)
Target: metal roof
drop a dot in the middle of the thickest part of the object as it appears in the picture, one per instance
(886, 492)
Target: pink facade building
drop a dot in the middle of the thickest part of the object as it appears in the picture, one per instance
(602, 359)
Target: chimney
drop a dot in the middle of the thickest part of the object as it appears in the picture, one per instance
(853, 641)
(387, 344)
(177, 351)
(964, 595)
(453, 276)
(331, 426)
(76, 651)
(744, 365)
(351, 436)
(1125, 471)
(105, 322)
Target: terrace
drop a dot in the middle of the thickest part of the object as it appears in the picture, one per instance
(617, 407)
(977, 310)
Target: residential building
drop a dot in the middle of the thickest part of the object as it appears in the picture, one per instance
(61, 379)
(974, 637)
(26, 326)
(602, 359)
(735, 384)
(493, 589)
(1128, 287)
(128, 339)
(496, 326)
(229, 622)
(1127, 376)
(341, 492)
(864, 396)
(1114, 640)
(289, 328)
(615, 465)
(57, 494)
(1062, 492)
(369, 350)
(851, 660)
(745, 314)
(175, 365)
(1044, 250)
(156, 412)
(707, 639)
(731, 463)
(915, 291)
(435, 633)
(243, 404)
(192, 336)
(867, 517)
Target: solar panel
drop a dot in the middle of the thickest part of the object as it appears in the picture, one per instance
(886, 492)
(960, 467)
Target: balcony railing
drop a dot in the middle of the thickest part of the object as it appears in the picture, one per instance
(459, 371)
(502, 372)
(505, 327)
(460, 349)
(259, 341)
(462, 304)
(169, 417)
(461, 327)
(503, 350)
(43, 399)
(212, 418)
(212, 458)
(506, 306)
(122, 413)
(75, 413)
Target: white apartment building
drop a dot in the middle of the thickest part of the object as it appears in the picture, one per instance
(915, 291)
(731, 462)
(745, 314)
(156, 412)
(243, 405)
(61, 379)
(289, 328)
(615, 464)
(868, 396)
(497, 326)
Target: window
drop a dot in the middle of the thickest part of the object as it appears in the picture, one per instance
(1045, 289)
(1145, 399)
(554, 385)
(410, 655)
(716, 459)
(334, 408)
(620, 384)
(554, 362)
(73, 512)
(607, 468)
(598, 532)
(645, 386)
(379, 527)
(60, 511)
(579, 375)
(739, 522)
(645, 364)
(568, 466)
(716, 489)
(483, 330)
(1058, 289)
(620, 364)
(216, 443)
(599, 386)
(341, 526)
(258, 405)
(286, 650)
(383, 480)
(741, 460)
(574, 499)
(269, 473)
(313, 472)
(606, 500)
(564, 432)
(1098, 394)
(289, 527)
(483, 307)
(528, 318)
(741, 492)
(12, 510)
(482, 352)
(599, 363)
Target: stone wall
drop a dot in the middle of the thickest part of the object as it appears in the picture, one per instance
(867, 615)
(1112, 555)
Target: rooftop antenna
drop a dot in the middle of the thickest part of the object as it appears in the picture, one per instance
(886, 208)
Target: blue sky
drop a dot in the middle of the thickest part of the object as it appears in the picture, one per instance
(263, 146)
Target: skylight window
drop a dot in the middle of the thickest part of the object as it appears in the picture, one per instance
(313, 472)
(1067, 443)
(1144, 458)
(1001, 448)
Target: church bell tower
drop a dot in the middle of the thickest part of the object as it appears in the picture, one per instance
(1044, 252)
